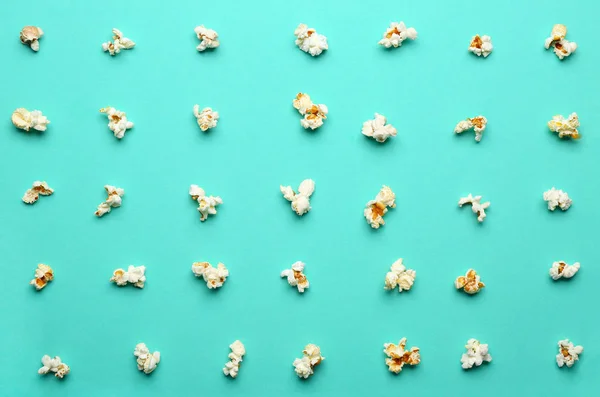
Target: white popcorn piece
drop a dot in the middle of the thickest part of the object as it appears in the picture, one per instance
(43, 275)
(568, 354)
(470, 282)
(399, 276)
(309, 41)
(376, 209)
(476, 205)
(296, 277)
(397, 356)
(119, 43)
(146, 361)
(561, 269)
(207, 205)
(313, 114)
(481, 45)
(477, 353)
(232, 367)
(478, 124)
(117, 121)
(208, 38)
(396, 34)
(562, 47)
(301, 200)
(113, 200)
(55, 365)
(311, 357)
(565, 127)
(38, 189)
(378, 129)
(24, 120)
(134, 275)
(215, 277)
(30, 35)
(207, 118)
(557, 198)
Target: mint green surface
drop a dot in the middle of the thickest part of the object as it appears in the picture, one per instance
(424, 88)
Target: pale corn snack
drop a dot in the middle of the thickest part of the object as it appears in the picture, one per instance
(30, 35)
(562, 269)
(38, 189)
(134, 275)
(400, 277)
(309, 41)
(481, 45)
(478, 124)
(476, 205)
(232, 367)
(207, 205)
(561, 46)
(208, 38)
(313, 114)
(376, 209)
(311, 357)
(557, 198)
(43, 275)
(301, 200)
(55, 365)
(396, 34)
(146, 361)
(117, 121)
(477, 353)
(568, 353)
(25, 120)
(470, 283)
(119, 43)
(565, 127)
(397, 356)
(113, 200)
(207, 118)
(214, 277)
(378, 128)
(296, 277)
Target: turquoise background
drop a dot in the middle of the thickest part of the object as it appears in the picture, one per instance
(424, 88)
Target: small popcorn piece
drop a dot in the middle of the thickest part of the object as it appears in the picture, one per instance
(235, 358)
(476, 205)
(295, 277)
(208, 38)
(43, 275)
(397, 356)
(30, 35)
(478, 124)
(146, 361)
(308, 40)
(311, 357)
(32, 195)
(301, 200)
(376, 209)
(470, 283)
(134, 275)
(215, 277)
(396, 34)
(117, 121)
(562, 47)
(557, 198)
(481, 45)
(567, 353)
(206, 118)
(119, 43)
(377, 129)
(113, 200)
(25, 120)
(399, 277)
(313, 114)
(565, 128)
(55, 365)
(476, 354)
(207, 205)
(561, 269)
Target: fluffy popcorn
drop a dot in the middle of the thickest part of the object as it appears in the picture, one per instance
(206, 118)
(399, 277)
(30, 35)
(113, 200)
(562, 47)
(301, 200)
(557, 198)
(208, 38)
(396, 34)
(377, 128)
(481, 45)
(376, 209)
(207, 205)
(311, 357)
(567, 353)
(308, 40)
(43, 275)
(215, 277)
(134, 275)
(565, 128)
(476, 205)
(25, 120)
(476, 354)
(117, 121)
(55, 365)
(478, 124)
(470, 282)
(561, 269)
(398, 356)
(119, 43)
(235, 358)
(39, 188)
(295, 277)
(313, 114)
(146, 361)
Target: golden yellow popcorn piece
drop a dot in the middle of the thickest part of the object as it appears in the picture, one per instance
(470, 282)
(397, 356)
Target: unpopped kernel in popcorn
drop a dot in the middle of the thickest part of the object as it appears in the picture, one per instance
(207, 205)
(119, 43)
(481, 45)
(235, 358)
(308, 40)
(376, 209)
(562, 47)
(399, 277)
(39, 188)
(313, 114)
(561, 269)
(295, 277)
(55, 365)
(113, 200)
(25, 120)
(397, 356)
(117, 121)
(478, 124)
(305, 366)
(470, 283)
(43, 275)
(567, 353)
(208, 38)
(215, 277)
(476, 354)
(378, 129)
(134, 275)
(557, 198)
(30, 35)
(301, 200)
(146, 361)
(207, 118)
(476, 205)
(396, 34)
(565, 128)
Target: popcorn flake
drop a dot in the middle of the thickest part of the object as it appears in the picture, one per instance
(32, 195)
(207, 205)
(396, 34)
(565, 128)
(481, 45)
(208, 38)
(397, 356)
(399, 277)
(43, 275)
(470, 282)
(55, 365)
(376, 209)
(119, 43)
(235, 358)
(313, 114)
(301, 200)
(476, 354)
(112, 201)
(24, 120)
(305, 366)
(561, 269)
(478, 124)
(206, 118)
(558, 198)
(562, 47)
(146, 361)
(117, 121)
(30, 35)
(567, 353)
(134, 275)
(295, 277)
(309, 41)
(476, 205)
(377, 129)
(215, 277)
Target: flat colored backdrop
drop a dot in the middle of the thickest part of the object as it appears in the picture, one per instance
(424, 88)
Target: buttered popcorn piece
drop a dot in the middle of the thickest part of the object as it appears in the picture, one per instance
(313, 114)
(25, 120)
(232, 367)
(561, 269)
(30, 35)
(481, 45)
(296, 277)
(309, 41)
(208, 38)
(119, 43)
(207, 205)
(134, 275)
(311, 357)
(398, 356)
(476, 205)
(396, 34)
(477, 353)
(146, 361)
(567, 353)
(55, 365)
(376, 209)
(38, 189)
(378, 129)
(207, 118)
(301, 200)
(557, 198)
(470, 283)
(565, 127)
(561, 46)
(117, 121)
(215, 277)
(43, 275)
(400, 277)
(478, 124)
(113, 200)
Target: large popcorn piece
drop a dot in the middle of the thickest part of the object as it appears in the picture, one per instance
(396, 34)
(481, 45)
(398, 356)
(557, 198)
(134, 275)
(376, 209)
(476, 205)
(562, 47)
(55, 365)
(567, 353)
(208, 38)
(301, 200)
(43, 275)
(30, 35)
(119, 43)
(207, 118)
(565, 128)
(308, 40)
(470, 282)
(117, 121)
(232, 367)
(38, 189)
(478, 124)
(313, 114)
(477, 353)
(113, 200)
(561, 269)
(295, 277)
(378, 129)
(311, 357)
(25, 120)
(146, 361)
(214, 276)
(207, 205)
(400, 277)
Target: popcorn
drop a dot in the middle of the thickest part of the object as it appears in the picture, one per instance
(119, 43)
(134, 275)
(397, 356)
(295, 277)
(55, 365)
(377, 128)
(565, 128)
(117, 121)
(476, 354)
(32, 195)
(558, 198)
(562, 47)
(561, 269)
(376, 209)
(308, 40)
(313, 114)
(305, 366)
(207, 205)
(214, 276)
(399, 277)
(146, 361)
(24, 119)
(567, 353)
(396, 34)
(476, 205)
(206, 118)
(477, 123)
(481, 45)
(43, 275)
(470, 283)
(235, 358)
(113, 200)
(31, 35)
(208, 38)
(301, 200)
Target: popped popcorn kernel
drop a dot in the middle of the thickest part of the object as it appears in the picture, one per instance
(400, 277)
(296, 277)
(119, 43)
(565, 127)
(568, 353)
(146, 361)
(376, 209)
(117, 121)
(38, 189)
(24, 120)
(557, 198)
(55, 365)
(478, 124)
(134, 275)
(481, 45)
(398, 356)
(232, 367)
(43, 275)
(113, 200)
(476, 205)
(207, 118)
(313, 114)
(30, 35)
(309, 41)
(207, 205)
(378, 129)
(311, 357)
(477, 353)
(214, 277)
(396, 34)
(561, 46)
(470, 283)
(208, 38)
(301, 200)
(562, 269)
